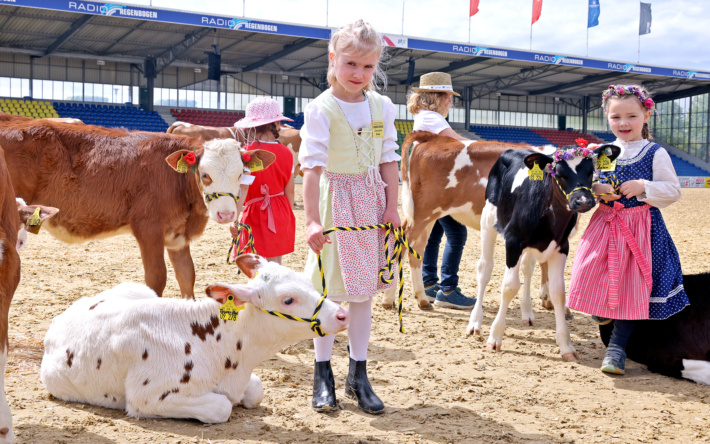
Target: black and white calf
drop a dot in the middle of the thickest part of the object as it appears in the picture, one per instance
(535, 218)
(680, 345)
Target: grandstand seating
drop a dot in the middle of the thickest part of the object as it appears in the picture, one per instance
(113, 116)
(297, 120)
(207, 117)
(562, 138)
(606, 136)
(404, 127)
(36, 109)
(507, 134)
(685, 168)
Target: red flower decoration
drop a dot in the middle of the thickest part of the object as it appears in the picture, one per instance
(246, 157)
(648, 103)
(581, 142)
(190, 158)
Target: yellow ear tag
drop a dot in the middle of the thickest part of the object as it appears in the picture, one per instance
(182, 165)
(604, 164)
(34, 222)
(228, 311)
(535, 173)
(255, 164)
(378, 129)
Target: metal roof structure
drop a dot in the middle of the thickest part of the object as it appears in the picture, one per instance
(100, 31)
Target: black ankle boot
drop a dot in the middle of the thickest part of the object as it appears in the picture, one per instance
(323, 388)
(358, 387)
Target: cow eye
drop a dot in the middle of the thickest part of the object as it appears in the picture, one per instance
(288, 301)
(206, 179)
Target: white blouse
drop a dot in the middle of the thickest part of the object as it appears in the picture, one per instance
(431, 121)
(315, 133)
(664, 189)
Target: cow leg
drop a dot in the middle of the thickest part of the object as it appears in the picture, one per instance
(698, 371)
(184, 270)
(545, 287)
(526, 309)
(556, 274)
(211, 408)
(6, 433)
(485, 266)
(511, 285)
(152, 244)
(253, 394)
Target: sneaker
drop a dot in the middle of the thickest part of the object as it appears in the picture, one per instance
(431, 292)
(601, 321)
(455, 299)
(614, 360)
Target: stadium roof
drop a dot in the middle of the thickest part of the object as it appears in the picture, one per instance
(130, 34)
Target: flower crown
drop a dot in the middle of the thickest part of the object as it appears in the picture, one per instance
(580, 150)
(628, 90)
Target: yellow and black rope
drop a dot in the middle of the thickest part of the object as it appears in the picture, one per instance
(235, 242)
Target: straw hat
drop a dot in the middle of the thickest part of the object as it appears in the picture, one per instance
(261, 111)
(435, 82)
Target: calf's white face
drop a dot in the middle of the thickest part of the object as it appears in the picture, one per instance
(220, 170)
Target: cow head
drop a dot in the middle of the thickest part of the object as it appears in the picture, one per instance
(574, 173)
(279, 289)
(219, 167)
(25, 211)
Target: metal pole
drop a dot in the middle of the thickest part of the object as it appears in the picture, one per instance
(244, 8)
(402, 17)
(326, 12)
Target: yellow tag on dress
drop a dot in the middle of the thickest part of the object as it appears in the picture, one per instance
(378, 128)
(182, 165)
(228, 311)
(604, 164)
(255, 164)
(34, 222)
(535, 173)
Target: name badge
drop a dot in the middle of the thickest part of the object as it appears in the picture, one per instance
(378, 129)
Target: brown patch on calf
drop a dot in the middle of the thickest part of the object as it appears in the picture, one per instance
(94, 306)
(70, 357)
(164, 395)
(185, 378)
(188, 366)
(239, 345)
(234, 366)
(3, 431)
(188, 348)
(201, 331)
(98, 364)
(145, 354)
(218, 337)
(228, 363)
(146, 382)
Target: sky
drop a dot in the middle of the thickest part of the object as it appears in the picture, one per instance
(679, 32)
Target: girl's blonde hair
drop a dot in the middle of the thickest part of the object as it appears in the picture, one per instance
(637, 92)
(357, 38)
(431, 101)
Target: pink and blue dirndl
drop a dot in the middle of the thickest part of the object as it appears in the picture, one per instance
(626, 265)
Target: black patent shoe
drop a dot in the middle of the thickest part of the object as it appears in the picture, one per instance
(358, 387)
(323, 388)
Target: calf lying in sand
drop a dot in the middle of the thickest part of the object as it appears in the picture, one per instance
(128, 349)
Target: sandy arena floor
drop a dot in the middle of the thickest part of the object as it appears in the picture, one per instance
(438, 385)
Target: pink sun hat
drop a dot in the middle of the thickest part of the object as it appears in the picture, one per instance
(261, 111)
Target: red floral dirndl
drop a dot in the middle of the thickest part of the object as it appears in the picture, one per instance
(611, 274)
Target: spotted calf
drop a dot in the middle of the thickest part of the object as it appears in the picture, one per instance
(128, 349)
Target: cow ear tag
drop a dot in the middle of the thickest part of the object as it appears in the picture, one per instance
(535, 173)
(228, 311)
(604, 163)
(34, 222)
(378, 129)
(255, 164)
(182, 165)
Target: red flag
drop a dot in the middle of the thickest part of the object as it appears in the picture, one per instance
(474, 8)
(537, 9)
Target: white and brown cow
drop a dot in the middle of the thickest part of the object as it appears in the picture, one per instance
(288, 136)
(442, 176)
(535, 217)
(127, 349)
(109, 181)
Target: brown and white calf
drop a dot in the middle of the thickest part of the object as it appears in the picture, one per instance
(288, 136)
(442, 176)
(110, 181)
(13, 216)
(535, 219)
(127, 349)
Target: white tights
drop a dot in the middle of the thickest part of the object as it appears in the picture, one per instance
(358, 333)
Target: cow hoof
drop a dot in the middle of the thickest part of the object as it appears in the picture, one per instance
(569, 316)
(425, 305)
(546, 303)
(571, 357)
(388, 305)
(529, 321)
(493, 347)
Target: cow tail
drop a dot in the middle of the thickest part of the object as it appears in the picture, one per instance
(404, 166)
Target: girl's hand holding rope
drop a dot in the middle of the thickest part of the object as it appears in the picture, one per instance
(632, 188)
(605, 192)
(392, 217)
(315, 238)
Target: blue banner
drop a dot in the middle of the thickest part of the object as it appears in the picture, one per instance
(593, 14)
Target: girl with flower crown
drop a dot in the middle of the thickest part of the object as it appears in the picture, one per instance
(627, 266)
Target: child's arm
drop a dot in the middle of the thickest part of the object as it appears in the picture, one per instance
(311, 198)
(664, 189)
(289, 191)
(388, 171)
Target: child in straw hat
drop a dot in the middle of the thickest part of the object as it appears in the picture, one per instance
(430, 104)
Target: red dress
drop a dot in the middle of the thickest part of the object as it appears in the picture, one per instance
(266, 209)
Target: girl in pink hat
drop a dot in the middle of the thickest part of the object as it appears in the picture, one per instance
(268, 205)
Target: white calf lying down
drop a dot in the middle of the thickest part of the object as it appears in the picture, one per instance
(128, 349)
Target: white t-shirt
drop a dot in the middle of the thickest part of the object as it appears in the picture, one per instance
(315, 133)
(431, 121)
